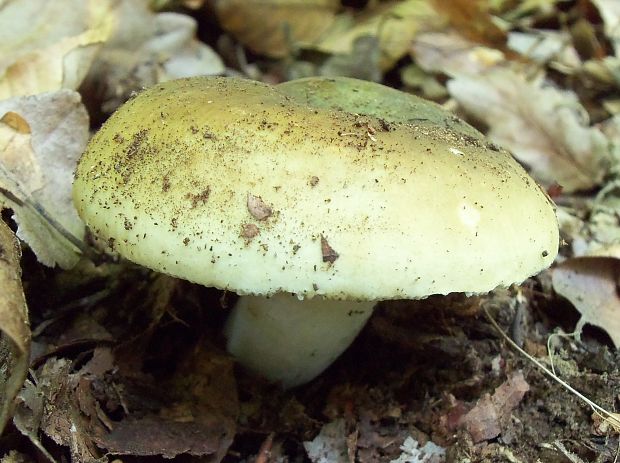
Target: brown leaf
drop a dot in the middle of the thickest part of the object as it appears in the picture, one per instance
(393, 24)
(591, 285)
(275, 27)
(98, 408)
(486, 419)
(472, 19)
(195, 412)
(610, 12)
(156, 435)
(50, 405)
(41, 138)
(542, 126)
(452, 54)
(145, 48)
(46, 46)
(330, 445)
(15, 338)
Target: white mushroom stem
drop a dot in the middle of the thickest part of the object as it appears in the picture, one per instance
(291, 341)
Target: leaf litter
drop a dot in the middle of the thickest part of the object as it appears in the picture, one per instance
(15, 335)
(126, 364)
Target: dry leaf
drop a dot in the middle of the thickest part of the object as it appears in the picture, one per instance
(472, 19)
(52, 404)
(201, 421)
(610, 12)
(553, 47)
(276, 27)
(41, 138)
(45, 46)
(591, 285)
(394, 24)
(486, 419)
(452, 54)
(97, 409)
(543, 127)
(145, 48)
(15, 337)
(330, 446)
(362, 63)
(413, 452)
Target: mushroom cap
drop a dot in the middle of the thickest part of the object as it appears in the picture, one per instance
(232, 184)
(371, 99)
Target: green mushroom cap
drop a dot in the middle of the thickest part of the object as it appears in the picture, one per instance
(260, 189)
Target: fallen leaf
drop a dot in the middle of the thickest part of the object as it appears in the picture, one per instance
(13, 456)
(363, 62)
(485, 421)
(542, 126)
(603, 226)
(97, 409)
(276, 28)
(15, 337)
(553, 47)
(154, 435)
(46, 46)
(422, 82)
(591, 285)
(41, 138)
(610, 12)
(394, 24)
(473, 20)
(145, 48)
(452, 54)
(31, 410)
(193, 413)
(330, 446)
(414, 453)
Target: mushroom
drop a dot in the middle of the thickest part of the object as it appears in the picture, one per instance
(311, 214)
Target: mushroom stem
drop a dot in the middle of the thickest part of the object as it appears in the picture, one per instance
(290, 340)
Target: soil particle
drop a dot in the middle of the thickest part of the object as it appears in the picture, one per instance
(258, 208)
(329, 254)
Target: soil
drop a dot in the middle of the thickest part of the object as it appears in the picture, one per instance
(134, 361)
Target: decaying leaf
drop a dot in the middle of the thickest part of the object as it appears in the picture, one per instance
(452, 54)
(96, 410)
(543, 127)
(491, 412)
(610, 12)
(330, 446)
(275, 28)
(553, 47)
(41, 138)
(33, 398)
(394, 24)
(15, 336)
(414, 453)
(46, 46)
(591, 285)
(363, 62)
(472, 19)
(145, 48)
